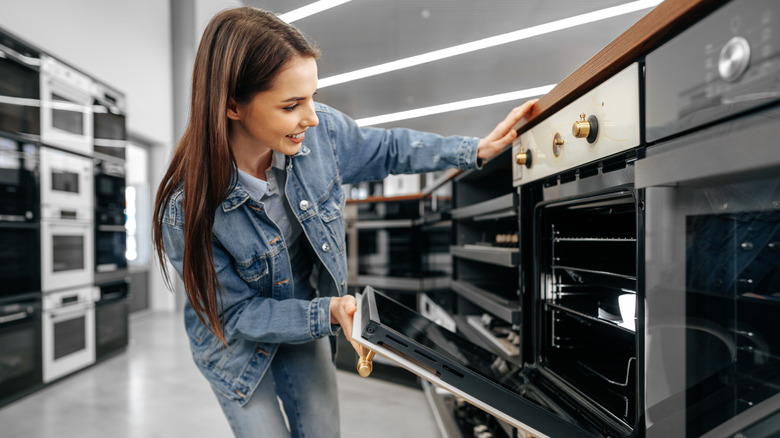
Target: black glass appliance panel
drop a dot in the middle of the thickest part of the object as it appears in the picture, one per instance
(19, 91)
(111, 319)
(732, 303)
(70, 336)
(20, 260)
(68, 253)
(67, 119)
(464, 365)
(109, 132)
(64, 181)
(21, 368)
(19, 180)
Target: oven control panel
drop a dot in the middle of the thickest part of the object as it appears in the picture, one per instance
(602, 122)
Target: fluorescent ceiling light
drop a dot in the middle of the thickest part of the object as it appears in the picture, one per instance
(454, 106)
(310, 9)
(493, 41)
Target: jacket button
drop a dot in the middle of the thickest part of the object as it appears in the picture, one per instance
(304, 205)
(325, 247)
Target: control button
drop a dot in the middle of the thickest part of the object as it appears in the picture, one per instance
(524, 158)
(588, 129)
(557, 146)
(734, 59)
(304, 205)
(325, 247)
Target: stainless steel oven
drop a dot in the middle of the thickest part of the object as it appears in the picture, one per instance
(112, 330)
(108, 120)
(66, 106)
(20, 88)
(66, 180)
(110, 232)
(20, 356)
(68, 331)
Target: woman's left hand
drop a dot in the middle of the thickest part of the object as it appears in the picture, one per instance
(503, 134)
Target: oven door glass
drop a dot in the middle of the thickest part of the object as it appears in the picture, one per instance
(713, 302)
(110, 137)
(454, 363)
(110, 248)
(20, 357)
(19, 97)
(20, 263)
(19, 187)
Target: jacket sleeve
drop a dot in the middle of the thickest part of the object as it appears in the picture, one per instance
(247, 314)
(370, 154)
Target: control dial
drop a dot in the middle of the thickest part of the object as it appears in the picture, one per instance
(524, 158)
(587, 129)
(734, 59)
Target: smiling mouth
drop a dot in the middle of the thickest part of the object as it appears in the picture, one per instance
(296, 136)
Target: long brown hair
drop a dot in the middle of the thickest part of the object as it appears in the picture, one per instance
(241, 52)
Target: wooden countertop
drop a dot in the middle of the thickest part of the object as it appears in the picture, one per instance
(666, 20)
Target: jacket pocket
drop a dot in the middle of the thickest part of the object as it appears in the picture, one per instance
(331, 212)
(253, 270)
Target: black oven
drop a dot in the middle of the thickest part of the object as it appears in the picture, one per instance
(110, 233)
(20, 111)
(111, 318)
(20, 264)
(21, 363)
(108, 112)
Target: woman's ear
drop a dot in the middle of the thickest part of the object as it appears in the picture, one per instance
(232, 110)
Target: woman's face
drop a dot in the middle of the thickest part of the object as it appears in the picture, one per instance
(277, 118)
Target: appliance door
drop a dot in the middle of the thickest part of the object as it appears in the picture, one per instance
(66, 115)
(20, 358)
(67, 254)
(111, 313)
(66, 180)
(110, 136)
(19, 93)
(20, 260)
(457, 365)
(109, 187)
(110, 247)
(713, 281)
(68, 334)
(19, 186)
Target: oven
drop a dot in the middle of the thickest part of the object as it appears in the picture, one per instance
(20, 265)
(68, 331)
(112, 330)
(108, 120)
(20, 358)
(66, 180)
(20, 88)
(110, 233)
(66, 107)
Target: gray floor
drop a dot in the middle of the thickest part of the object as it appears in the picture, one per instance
(153, 390)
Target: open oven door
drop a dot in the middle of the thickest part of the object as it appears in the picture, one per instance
(457, 365)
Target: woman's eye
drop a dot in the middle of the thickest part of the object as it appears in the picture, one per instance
(291, 108)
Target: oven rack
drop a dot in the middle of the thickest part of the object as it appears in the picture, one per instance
(497, 208)
(594, 271)
(590, 318)
(507, 310)
(502, 256)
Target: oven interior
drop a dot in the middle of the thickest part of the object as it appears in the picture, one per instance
(587, 261)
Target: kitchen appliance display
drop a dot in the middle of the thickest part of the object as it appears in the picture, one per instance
(68, 331)
(66, 107)
(20, 88)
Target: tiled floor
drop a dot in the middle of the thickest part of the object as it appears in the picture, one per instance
(153, 390)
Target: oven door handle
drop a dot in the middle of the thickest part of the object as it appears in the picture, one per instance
(69, 310)
(13, 317)
(112, 228)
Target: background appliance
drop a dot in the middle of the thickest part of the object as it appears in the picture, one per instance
(20, 335)
(111, 324)
(66, 106)
(68, 331)
(66, 180)
(20, 88)
(110, 233)
(20, 263)
(108, 118)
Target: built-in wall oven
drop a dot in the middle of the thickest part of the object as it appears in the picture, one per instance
(66, 106)
(20, 356)
(68, 331)
(111, 318)
(110, 232)
(67, 225)
(19, 88)
(20, 265)
(108, 119)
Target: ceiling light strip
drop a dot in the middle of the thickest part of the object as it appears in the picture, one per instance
(454, 106)
(310, 9)
(497, 40)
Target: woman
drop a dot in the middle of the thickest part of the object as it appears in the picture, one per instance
(250, 214)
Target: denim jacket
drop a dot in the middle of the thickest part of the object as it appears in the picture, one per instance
(251, 258)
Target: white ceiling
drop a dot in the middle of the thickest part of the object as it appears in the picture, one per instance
(363, 33)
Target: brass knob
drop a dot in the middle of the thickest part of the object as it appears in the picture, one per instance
(364, 365)
(557, 145)
(524, 158)
(580, 128)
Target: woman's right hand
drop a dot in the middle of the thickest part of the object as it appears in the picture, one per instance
(342, 311)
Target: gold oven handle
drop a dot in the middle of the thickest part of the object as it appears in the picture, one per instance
(364, 365)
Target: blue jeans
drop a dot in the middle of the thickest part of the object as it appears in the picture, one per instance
(304, 378)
